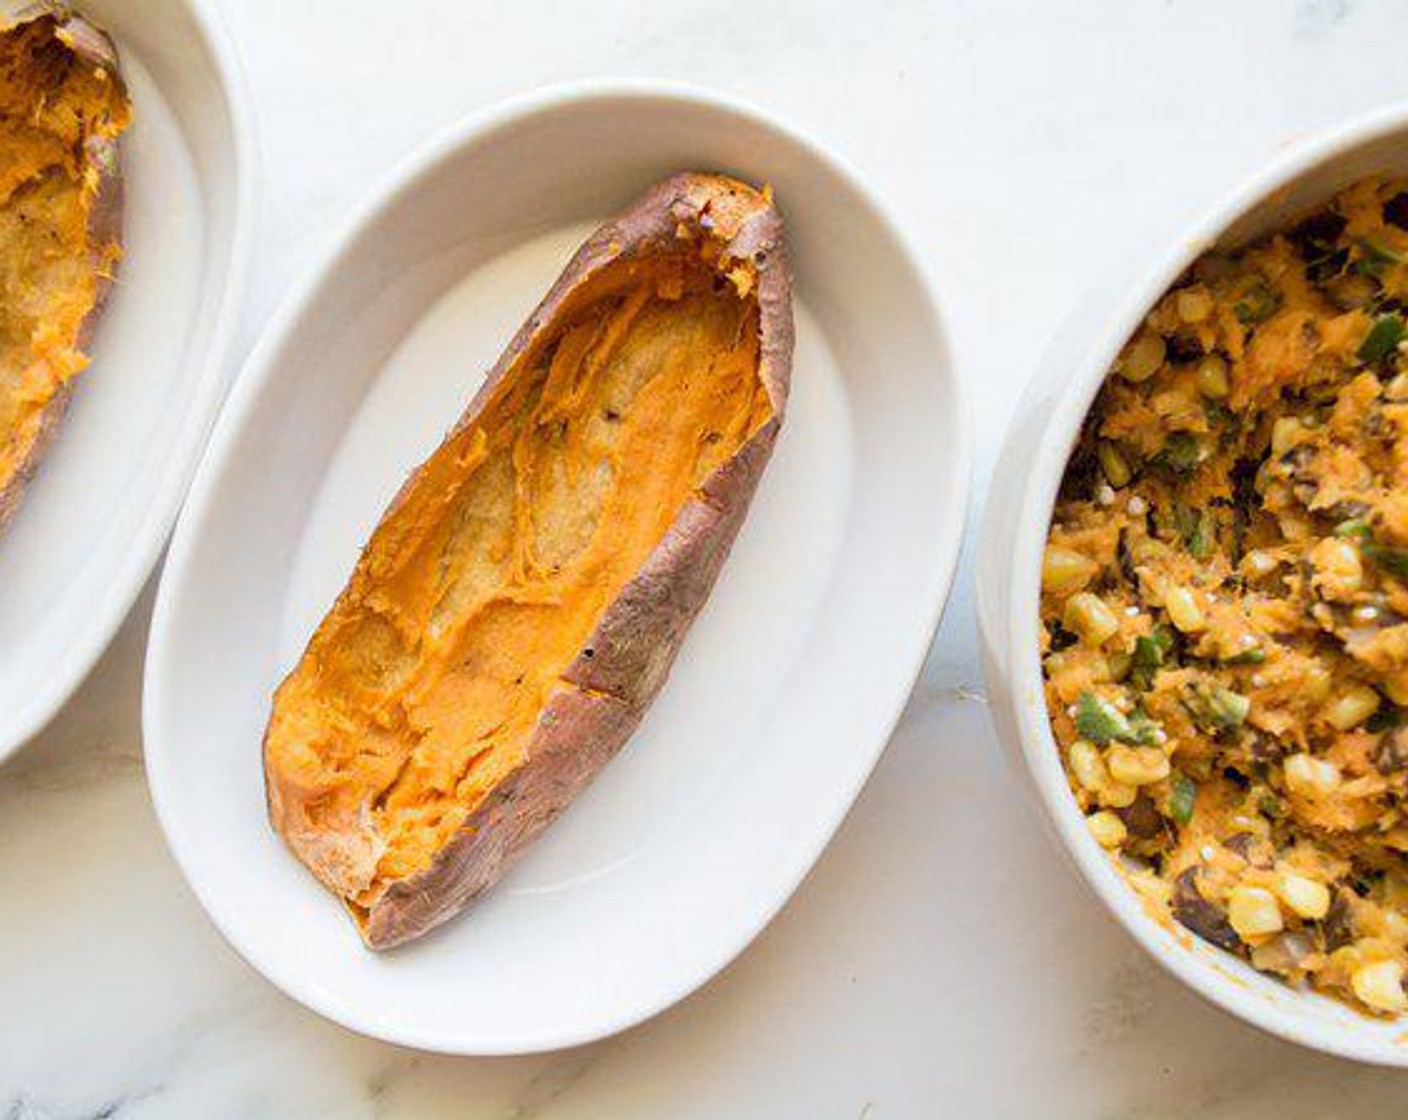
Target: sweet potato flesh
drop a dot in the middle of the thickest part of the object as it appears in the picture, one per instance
(422, 688)
(53, 105)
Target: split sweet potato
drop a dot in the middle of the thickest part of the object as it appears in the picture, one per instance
(63, 106)
(522, 599)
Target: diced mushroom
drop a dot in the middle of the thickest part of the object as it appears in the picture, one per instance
(1196, 913)
(1391, 755)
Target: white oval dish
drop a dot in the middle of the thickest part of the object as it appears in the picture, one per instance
(786, 689)
(99, 510)
(1016, 521)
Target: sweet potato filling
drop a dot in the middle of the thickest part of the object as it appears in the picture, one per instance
(1225, 602)
(421, 689)
(54, 104)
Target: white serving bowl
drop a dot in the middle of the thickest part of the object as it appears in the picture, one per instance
(787, 687)
(1017, 519)
(98, 512)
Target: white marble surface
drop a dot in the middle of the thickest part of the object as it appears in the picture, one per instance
(940, 960)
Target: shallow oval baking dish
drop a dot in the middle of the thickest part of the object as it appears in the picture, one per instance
(787, 687)
(99, 509)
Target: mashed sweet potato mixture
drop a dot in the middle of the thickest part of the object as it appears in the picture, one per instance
(1225, 602)
(56, 252)
(423, 686)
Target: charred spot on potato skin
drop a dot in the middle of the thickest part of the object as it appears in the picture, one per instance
(1202, 917)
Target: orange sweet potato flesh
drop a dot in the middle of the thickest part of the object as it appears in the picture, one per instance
(62, 107)
(436, 679)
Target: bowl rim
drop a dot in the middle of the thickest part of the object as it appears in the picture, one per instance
(1209, 972)
(214, 377)
(446, 144)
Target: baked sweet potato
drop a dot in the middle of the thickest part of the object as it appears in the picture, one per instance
(63, 105)
(523, 597)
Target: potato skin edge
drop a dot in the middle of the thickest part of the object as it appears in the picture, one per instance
(633, 647)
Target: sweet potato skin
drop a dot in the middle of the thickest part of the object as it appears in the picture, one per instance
(612, 680)
(105, 224)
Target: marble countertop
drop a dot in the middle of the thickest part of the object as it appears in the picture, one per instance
(940, 959)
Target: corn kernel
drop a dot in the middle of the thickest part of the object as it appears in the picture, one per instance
(1211, 377)
(1260, 563)
(1088, 616)
(1064, 570)
(1380, 985)
(1194, 305)
(1183, 609)
(1087, 765)
(1137, 766)
(1118, 795)
(1143, 357)
(1109, 831)
(1352, 707)
(1310, 776)
(1113, 463)
(1396, 685)
(1284, 434)
(1305, 897)
(1316, 684)
(1339, 572)
(1253, 912)
(1395, 926)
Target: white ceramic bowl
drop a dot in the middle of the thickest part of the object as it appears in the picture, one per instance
(98, 512)
(787, 687)
(1019, 513)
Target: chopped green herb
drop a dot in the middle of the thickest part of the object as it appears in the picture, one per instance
(1219, 415)
(1254, 656)
(1150, 655)
(1214, 708)
(1143, 730)
(1270, 805)
(1230, 708)
(1392, 560)
(1259, 304)
(1101, 722)
(1385, 719)
(1383, 339)
(1375, 258)
(1179, 454)
(1356, 527)
(1181, 798)
(1200, 533)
